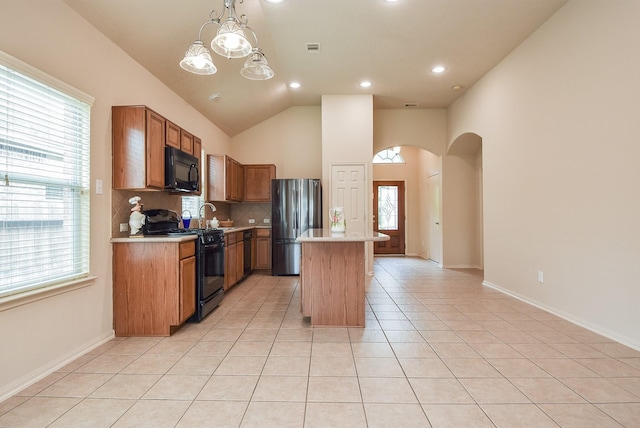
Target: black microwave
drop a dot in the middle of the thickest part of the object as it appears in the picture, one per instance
(181, 172)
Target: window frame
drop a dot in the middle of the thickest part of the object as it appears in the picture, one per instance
(21, 295)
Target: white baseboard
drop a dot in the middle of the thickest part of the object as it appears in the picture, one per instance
(40, 373)
(577, 321)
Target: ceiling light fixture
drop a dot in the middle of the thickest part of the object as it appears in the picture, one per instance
(294, 85)
(438, 69)
(365, 84)
(230, 42)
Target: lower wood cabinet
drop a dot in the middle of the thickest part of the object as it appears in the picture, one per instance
(154, 285)
(233, 259)
(263, 249)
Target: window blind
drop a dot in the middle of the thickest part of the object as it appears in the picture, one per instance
(44, 187)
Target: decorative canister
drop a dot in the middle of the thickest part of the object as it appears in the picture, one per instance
(336, 217)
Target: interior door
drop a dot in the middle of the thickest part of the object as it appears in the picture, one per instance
(389, 217)
(348, 190)
(435, 231)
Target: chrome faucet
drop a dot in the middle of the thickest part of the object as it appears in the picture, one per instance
(201, 213)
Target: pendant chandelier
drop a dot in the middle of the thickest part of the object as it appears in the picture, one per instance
(230, 42)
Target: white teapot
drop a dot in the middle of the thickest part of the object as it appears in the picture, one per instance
(214, 223)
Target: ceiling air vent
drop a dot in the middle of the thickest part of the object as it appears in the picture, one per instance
(313, 47)
(411, 104)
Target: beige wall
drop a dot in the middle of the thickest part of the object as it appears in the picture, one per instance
(558, 120)
(425, 128)
(292, 140)
(46, 34)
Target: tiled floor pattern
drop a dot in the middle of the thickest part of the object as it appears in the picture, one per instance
(439, 350)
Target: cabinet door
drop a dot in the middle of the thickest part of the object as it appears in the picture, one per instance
(155, 150)
(257, 182)
(197, 152)
(263, 253)
(172, 137)
(230, 266)
(239, 260)
(238, 189)
(186, 142)
(187, 287)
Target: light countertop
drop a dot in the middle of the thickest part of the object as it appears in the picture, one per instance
(180, 238)
(326, 235)
(159, 238)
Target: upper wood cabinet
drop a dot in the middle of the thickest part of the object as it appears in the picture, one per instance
(172, 132)
(197, 152)
(225, 179)
(186, 142)
(139, 136)
(138, 139)
(180, 139)
(257, 182)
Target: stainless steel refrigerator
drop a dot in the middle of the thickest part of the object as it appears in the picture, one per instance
(296, 205)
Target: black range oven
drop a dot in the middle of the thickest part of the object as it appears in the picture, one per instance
(210, 269)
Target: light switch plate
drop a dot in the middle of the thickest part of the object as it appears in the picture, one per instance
(267, 220)
(252, 220)
(124, 227)
(98, 187)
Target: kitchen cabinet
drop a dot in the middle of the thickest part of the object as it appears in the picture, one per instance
(233, 259)
(154, 286)
(257, 182)
(139, 136)
(138, 140)
(172, 134)
(197, 152)
(186, 142)
(262, 259)
(225, 177)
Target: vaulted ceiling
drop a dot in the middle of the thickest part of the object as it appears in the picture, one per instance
(394, 45)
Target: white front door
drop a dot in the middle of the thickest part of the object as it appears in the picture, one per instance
(435, 232)
(349, 190)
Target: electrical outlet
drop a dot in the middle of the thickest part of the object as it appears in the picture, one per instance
(252, 220)
(266, 220)
(98, 187)
(540, 276)
(124, 227)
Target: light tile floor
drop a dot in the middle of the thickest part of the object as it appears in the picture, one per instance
(439, 350)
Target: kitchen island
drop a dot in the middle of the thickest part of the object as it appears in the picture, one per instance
(332, 276)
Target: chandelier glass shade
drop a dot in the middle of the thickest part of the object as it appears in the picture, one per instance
(198, 60)
(256, 67)
(231, 41)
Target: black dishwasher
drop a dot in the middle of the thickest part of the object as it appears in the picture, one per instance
(247, 237)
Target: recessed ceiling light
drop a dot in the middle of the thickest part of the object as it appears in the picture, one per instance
(365, 84)
(275, 1)
(438, 69)
(294, 85)
(391, 1)
(457, 87)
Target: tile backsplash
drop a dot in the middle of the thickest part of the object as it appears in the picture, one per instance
(240, 213)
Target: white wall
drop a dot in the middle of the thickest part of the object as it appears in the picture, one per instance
(558, 120)
(48, 35)
(292, 140)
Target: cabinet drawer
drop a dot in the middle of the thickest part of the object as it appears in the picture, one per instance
(263, 233)
(187, 249)
(230, 239)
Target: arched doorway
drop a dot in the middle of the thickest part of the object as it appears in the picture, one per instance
(462, 219)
